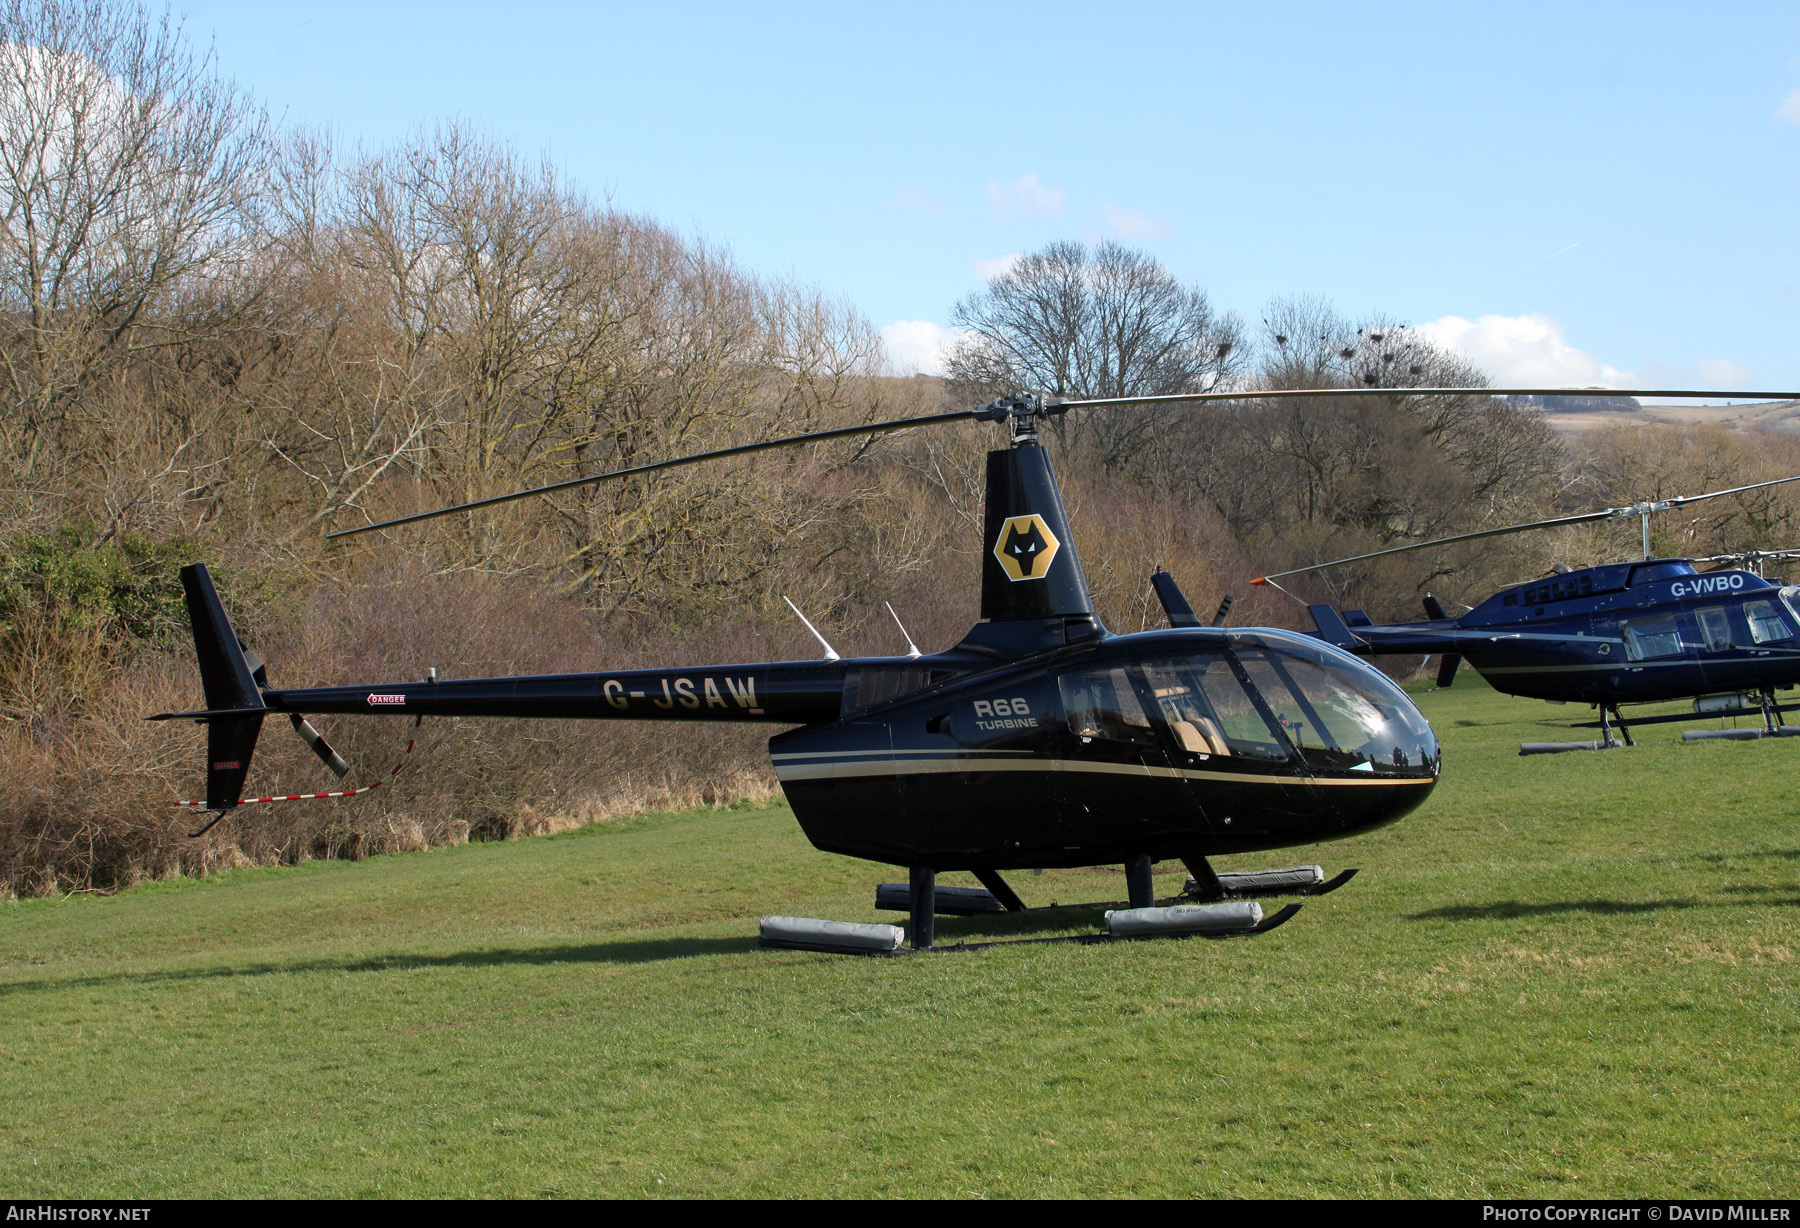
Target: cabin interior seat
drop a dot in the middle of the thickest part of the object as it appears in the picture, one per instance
(1199, 736)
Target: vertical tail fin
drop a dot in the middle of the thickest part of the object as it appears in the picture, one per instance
(1331, 627)
(1174, 603)
(1030, 569)
(229, 680)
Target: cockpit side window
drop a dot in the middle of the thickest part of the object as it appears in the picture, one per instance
(1273, 703)
(1715, 628)
(1203, 703)
(1649, 638)
(1766, 625)
(1101, 703)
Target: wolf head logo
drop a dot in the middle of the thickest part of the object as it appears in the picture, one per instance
(1025, 547)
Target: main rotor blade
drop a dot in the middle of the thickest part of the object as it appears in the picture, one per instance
(1683, 500)
(1270, 394)
(1748, 556)
(1441, 541)
(1056, 405)
(1611, 513)
(872, 428)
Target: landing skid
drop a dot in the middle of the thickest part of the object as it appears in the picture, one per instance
(1233, 885)
(1205, 884)
(1220, 909)
(1273, 921)
(1767, 708)
(1740, 735)
(1606, 742)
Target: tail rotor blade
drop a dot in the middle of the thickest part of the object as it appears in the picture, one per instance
(319, 745)
(1447, 668)
(1434, 609)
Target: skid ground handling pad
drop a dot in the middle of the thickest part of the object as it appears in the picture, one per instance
(1225, 913)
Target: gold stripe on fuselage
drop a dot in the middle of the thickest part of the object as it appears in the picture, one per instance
(1632, 667)
(902, 767)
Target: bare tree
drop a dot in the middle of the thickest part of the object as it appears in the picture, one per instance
(129, 174)
(1106, 321)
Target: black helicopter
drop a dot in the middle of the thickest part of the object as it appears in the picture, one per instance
(1040, 740)
(1644, 631)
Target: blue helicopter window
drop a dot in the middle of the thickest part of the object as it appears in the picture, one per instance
(1715, 628)
(1649, 572)
(1766, 626)
(1646, 639)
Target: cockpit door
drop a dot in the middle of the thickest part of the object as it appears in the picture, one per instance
(1112, 762)
(1234, 750)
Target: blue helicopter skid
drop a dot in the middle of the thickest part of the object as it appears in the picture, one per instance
(1680, 717)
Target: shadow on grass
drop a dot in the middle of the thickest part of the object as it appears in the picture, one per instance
(1765, 855)
(1504, 910)
(1508, 909)
(1034, 923)
(637, 951)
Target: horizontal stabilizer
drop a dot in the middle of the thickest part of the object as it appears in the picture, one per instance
(202, 716)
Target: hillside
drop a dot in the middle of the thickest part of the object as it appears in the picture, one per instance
(1781, 416)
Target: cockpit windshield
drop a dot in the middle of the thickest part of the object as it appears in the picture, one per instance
(1790, 597)
(1268, 698)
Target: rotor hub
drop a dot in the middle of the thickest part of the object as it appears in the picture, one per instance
(1021, 412)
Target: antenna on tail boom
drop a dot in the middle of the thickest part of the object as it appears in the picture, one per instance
(831, 654)
(912, 649)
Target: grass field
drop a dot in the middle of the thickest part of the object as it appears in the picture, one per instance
(1566, 976)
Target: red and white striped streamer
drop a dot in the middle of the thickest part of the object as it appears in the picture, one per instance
(307, 797)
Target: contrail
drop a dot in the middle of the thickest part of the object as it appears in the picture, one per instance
(1553, 255)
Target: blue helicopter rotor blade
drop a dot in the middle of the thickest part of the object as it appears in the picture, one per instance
(1268, 394)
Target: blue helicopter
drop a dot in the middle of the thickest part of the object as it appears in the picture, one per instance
(1646, 631)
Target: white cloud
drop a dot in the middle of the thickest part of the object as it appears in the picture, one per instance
(1724, 373)
(1789, 108)
(1134, 223)
(913, 200)
(1526, 351)
(1026, 195)
(987, 270)
(918, 346)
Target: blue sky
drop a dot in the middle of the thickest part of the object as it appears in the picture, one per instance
(1572, 193)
